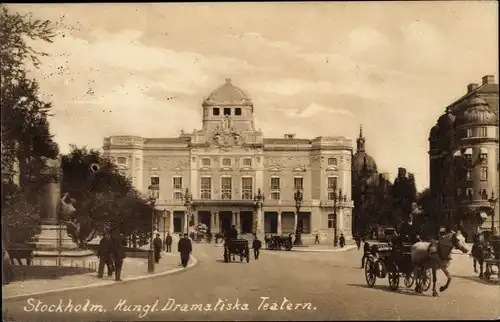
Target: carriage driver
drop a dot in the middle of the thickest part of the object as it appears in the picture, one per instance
(233, 233)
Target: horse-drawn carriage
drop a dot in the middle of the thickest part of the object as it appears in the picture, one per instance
(237, 247)
(487, 255)
(395, 262)
(279, 243)
(492, 260)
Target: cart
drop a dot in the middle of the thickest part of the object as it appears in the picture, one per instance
(237, 247)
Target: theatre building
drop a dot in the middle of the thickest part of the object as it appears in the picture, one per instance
(228, 162)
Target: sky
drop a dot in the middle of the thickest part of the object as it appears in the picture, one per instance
(313, 69)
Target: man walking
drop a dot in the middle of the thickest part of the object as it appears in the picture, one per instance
(316, 238)
(257, 244)
(104, 255)
(168, 243)
(185, 248)
(342, 240)
(118, 253)
(157, 248)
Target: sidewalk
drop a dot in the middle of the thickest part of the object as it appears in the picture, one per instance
(133, 269)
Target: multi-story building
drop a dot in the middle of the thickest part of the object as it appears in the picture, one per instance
(228, 162)
(463, 151)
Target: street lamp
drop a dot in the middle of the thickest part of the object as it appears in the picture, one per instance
(154, 193)
(298, 196)
(188, 198)
(493, 203)
(164, 216)
(259, 202)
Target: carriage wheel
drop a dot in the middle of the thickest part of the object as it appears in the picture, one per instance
(370, 273)
(394, 280)
(409, 280)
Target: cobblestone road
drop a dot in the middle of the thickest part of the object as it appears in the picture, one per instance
(332, 283)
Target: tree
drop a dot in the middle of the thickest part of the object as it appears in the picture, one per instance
(19, 218)
(103, 199)
(25, 134)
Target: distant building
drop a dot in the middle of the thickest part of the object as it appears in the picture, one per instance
(463, 152)
(368, 186)
(225, 164)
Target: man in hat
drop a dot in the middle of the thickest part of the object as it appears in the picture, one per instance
(157, 245)
(185, 248)
(105, 256)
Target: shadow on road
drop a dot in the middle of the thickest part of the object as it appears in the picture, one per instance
(237, 261)
(385, 288)
(479, 280)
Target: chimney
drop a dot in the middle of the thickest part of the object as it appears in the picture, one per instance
(488, 79)
(472, 87)
(289, 136)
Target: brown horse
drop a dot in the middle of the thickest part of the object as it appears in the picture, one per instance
(436, 255)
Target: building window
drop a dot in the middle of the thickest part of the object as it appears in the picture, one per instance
(155, 180)
(483, 157)
(332, 195)
(469, 133)
(484, 173)
(483, 132)
(298, 183)
(332, 183)
(216, 111)
(332, 161)
(178, 195)
(226, 162)
(227, 111)
(237, 111)
(332, 221)
(226, 187)
(121, 160)
(246, 189)
(275, 196)
(177, 182)
(247, 162)
(275, 188)
(468, 176)
(470, 193)
(205, 162)
(206, 188)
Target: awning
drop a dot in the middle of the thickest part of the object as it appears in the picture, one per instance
(484, 151)
(457, 153)
(483, 215)
(468, 151)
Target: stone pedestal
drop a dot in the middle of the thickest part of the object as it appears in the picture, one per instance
(53, 246)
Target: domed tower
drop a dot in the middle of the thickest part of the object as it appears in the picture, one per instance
(364, 166)
(228, 107)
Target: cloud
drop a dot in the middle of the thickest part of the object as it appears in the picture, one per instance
(313, 110)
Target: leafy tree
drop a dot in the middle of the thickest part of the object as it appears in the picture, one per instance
(19, 218)
(103, 199)
(25, 134)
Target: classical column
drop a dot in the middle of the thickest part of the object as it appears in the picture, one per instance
(279, 223)
(196, 218)
(171, 222)
(186, 221)
(50, 195)
(260, 222)
(238, 221)
(215, 220)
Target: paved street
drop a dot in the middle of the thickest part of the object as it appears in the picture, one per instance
(331, 282)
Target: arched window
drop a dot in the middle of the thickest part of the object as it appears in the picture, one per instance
(332, 161)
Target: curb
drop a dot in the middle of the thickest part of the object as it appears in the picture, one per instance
(193, 262)
(306, 250)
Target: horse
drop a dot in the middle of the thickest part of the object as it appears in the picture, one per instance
(436, 255)
(479, 253)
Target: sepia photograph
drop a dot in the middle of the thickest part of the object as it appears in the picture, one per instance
(250, 161)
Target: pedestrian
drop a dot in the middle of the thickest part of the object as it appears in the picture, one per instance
(366, 253)
(257, 244)
(316, 238)
(184, 247)
(342, 240)
(157, 248)
(105, 256)
(118, 253)
(168, 243)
